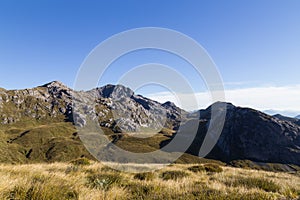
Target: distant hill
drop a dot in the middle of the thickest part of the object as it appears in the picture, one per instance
(290, 119)
(37, 125)
(288, 113)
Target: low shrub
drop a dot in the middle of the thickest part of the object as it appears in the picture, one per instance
(147, 176)
(173, 175)
(213, 168)
(196, 168)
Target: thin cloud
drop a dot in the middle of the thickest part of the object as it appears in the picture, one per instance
(261, 98)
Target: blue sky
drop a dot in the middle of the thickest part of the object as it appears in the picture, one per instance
(255, 44)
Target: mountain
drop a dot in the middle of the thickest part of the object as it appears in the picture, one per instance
(37, 125)
(249, 134)
(298, 117)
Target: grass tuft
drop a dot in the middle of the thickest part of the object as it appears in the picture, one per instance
(103, 181)
(213, 168)
(147, 176)
(50, 181)
(253, 182)
(196, 168)
(40, 192)
(81, 161)
(173, 175)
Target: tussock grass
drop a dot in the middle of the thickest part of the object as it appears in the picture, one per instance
(214, 168)
(146, 176)
(96, 181)
(173, 175)
(210, 168)
(81, 161)
(196, 168)
(104, 181)
(254, 182)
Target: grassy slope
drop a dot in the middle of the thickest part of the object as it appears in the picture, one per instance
(95, 181)
(51, 140)
(40, 141)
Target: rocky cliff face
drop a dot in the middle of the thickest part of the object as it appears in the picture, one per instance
(115, 107)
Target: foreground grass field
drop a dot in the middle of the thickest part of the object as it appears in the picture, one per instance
(84, 180)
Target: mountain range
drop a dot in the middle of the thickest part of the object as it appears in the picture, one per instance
(37, 125)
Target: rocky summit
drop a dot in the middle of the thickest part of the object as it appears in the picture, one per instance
(115, 106)
(38, 125)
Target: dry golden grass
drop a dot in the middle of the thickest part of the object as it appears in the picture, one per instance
(96, 181)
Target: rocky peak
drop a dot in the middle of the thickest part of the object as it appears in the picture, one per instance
(169, 104)
(55, 84)
(58, 89)
(218, 106)
(115, 91)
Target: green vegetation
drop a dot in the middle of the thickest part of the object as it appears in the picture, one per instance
(81, 161)
(39, 191)
(196, 168)
(214, 168)
(253, 182)
(40, 141)
(173, 175)
(146, 176)
(209, 167)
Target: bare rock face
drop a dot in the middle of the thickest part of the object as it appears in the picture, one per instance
(51, 100)
(253, 135)
(131, 112)
(114, 106)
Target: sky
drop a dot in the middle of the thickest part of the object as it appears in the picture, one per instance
(254, 44)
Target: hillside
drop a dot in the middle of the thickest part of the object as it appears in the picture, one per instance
(37, 125)
(249, 134)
